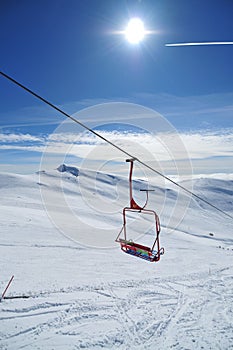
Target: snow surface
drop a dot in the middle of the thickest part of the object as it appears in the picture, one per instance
(84, 296)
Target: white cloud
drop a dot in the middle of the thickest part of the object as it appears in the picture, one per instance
(163, 146)
(33, 148)
(166, 151)
(12, 138)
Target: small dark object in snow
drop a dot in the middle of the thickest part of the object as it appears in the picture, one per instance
(211, 234)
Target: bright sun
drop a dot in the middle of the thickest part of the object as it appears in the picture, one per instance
(135, 31)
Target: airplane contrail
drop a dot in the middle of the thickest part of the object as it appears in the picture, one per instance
(202, 43)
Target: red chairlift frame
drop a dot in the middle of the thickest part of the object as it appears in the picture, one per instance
(153, 253)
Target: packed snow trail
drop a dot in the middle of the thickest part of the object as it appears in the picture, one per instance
(189, 312)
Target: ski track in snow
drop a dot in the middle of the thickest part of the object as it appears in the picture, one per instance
(172, 313)
(81, 299)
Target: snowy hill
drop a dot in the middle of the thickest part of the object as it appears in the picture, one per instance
(220, 192)
(57, 238)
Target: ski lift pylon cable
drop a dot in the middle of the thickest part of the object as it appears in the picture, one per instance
(111, 143)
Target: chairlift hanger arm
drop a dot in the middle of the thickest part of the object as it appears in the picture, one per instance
(133, 203)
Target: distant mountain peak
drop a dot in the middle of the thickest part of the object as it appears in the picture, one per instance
(68, 169)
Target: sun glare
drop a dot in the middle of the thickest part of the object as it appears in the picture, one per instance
(135, 31)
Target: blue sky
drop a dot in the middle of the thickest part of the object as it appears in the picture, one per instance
(68, 52)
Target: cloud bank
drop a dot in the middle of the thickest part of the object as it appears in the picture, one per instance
(201, 148)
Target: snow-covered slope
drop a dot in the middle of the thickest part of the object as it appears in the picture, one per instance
(86, 296)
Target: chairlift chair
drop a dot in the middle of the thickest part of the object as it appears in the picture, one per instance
(128, 246)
